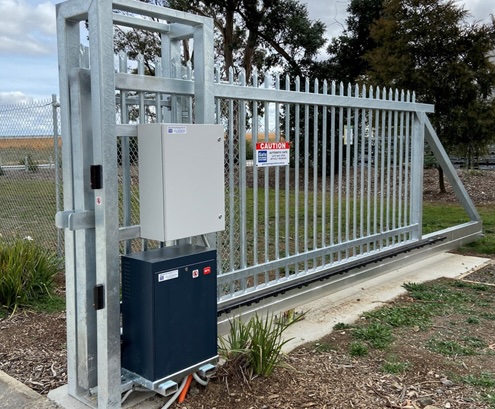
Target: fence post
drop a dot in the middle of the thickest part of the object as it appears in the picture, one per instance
(55, 106)
(417, 155)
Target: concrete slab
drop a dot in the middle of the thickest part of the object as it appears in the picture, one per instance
(348, 304)
(16, 395)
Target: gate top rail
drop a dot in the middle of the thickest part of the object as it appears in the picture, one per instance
(375, 100)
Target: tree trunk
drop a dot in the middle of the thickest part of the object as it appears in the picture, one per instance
(441, 180)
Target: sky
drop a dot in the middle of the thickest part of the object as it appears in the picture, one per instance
(28, 43)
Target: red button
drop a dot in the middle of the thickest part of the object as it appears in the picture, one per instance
(207, 270)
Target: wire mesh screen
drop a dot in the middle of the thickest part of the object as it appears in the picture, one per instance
(30, 174)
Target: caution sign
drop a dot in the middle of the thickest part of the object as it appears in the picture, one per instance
(272, 153)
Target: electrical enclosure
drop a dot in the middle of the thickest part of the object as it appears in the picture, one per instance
(181, 180)
(169, 311)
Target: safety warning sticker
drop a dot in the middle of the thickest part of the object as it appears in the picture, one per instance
(272, 153)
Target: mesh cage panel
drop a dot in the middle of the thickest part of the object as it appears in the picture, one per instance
(30, 172)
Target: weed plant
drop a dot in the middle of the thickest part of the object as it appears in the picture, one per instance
(394, 367)
(358, 349)
(256, 346)
(450, 347)
(485, 380)
(376, 334)
(27, 272)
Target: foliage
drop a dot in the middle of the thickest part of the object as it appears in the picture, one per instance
(27, 272)
(427, 46)
(450, 347)
(486, 380)
(248, 34)
(341, 326)
(346, 62)
(256, 345)
(358, 349)
(376, 334)
(437, 216)
(393, 366)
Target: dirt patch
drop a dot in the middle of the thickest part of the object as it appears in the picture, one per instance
(33, 349)
(325, 375)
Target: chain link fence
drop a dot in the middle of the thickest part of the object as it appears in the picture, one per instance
(30, 172)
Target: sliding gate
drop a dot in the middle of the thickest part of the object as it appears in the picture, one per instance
(351, 194)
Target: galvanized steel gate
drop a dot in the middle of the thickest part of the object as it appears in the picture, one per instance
(352, 195)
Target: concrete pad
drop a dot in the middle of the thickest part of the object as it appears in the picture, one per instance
(14, 394)
(348, 304)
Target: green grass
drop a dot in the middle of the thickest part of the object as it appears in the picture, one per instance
(465, 347)
(256, 345)
(28, 208)
(473, 320)
(376, 335)
(27, 274)
(358, 349)
(393, 366)
(322, 347)
(414, 315)
(437, 216)
(485, 380)
(340, 326)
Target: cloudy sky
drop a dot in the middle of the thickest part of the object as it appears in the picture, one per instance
(28, 49)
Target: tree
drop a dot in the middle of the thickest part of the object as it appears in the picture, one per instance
(249, 34)
(428, 46)
(346, 62)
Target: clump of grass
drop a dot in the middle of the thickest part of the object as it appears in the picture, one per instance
(358, 349)
(485, 380)
(473, 286)
(376, 334)
(473, 320)
(27, 272)
(394, 367)
(340, 326)
(450, 348)
(403, 316)
(323, 347)
(256, 346)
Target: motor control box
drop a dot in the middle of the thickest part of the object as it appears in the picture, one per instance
(169, 312)
(181, 180)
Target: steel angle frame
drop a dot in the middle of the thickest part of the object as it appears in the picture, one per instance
(466, 232)
(88, 85)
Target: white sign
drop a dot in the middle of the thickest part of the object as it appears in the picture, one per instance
(176, 130)
(272, 153)
(169, 275)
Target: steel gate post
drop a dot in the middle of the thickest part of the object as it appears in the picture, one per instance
(417, 159)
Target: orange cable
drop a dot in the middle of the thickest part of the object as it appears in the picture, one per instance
(184, 391)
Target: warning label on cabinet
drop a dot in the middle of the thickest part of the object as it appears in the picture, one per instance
(272, 153)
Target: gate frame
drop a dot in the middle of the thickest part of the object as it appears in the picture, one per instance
(90, 217)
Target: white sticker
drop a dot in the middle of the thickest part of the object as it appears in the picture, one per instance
(169, 275)
(99, 201)
(176, 130)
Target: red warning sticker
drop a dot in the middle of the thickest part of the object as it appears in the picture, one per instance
(207, 270)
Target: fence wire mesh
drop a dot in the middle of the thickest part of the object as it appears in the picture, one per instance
(30, 176)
